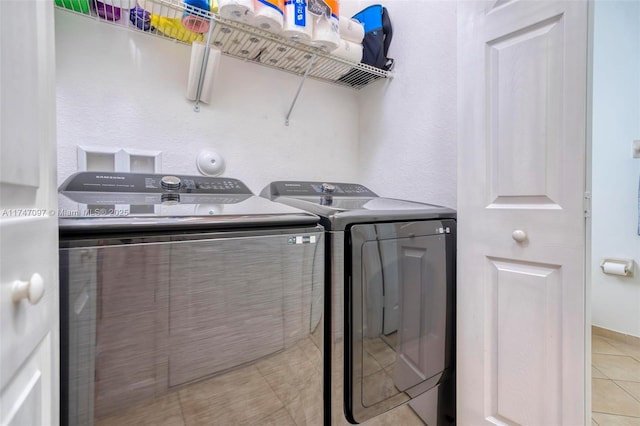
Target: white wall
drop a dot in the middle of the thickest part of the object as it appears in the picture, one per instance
(408, 125)
(125, 89)
(616, 123)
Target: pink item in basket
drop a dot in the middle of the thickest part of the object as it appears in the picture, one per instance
(195, 17)
(195, 23)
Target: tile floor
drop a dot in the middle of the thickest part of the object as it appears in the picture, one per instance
(278, 390)
(274, 393)
(615, 369)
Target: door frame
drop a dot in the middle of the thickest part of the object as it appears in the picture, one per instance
(587, 226)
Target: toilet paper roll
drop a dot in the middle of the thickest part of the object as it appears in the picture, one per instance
(298, 22)
(325, 33)
(238, 10)
(350, 29)
(349, 50)
(615, 268)
(268, 15)
(195, 66)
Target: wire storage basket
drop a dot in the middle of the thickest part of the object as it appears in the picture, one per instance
(186, 23)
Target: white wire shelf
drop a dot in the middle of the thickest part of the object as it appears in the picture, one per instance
(232, 38)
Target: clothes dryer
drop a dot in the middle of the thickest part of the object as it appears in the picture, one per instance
(390, 303)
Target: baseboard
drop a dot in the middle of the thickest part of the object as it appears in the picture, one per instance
(610, 334)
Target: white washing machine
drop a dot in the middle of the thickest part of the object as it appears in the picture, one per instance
(390, 300)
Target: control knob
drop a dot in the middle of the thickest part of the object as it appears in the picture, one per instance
(170, 183)
(170, 199)
(327, 187)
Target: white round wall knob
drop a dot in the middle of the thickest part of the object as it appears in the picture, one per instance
(210, 163)
(32, 290)
(519, 235)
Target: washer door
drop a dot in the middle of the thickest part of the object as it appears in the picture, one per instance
(397, 311)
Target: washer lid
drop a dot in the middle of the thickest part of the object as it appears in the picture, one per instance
(348, 203)
(132, 201)
(311, 189)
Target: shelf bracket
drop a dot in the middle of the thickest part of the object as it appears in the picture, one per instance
(203, 66)
(295, 98)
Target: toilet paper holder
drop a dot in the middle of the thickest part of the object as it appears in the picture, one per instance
(622, 267)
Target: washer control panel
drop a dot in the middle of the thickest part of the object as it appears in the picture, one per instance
(152, 183)
(333, 189)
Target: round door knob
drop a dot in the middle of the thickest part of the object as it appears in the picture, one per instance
(170, 182)
(519, 235)
(32, 290)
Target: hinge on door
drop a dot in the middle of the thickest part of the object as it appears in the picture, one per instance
(587, 204)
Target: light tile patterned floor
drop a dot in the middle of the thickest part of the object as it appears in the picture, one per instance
(615, 368)
(280, 397)
(281, 390)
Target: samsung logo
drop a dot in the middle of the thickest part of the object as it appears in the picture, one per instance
(302, 239)
(110, 177)
(292, 184)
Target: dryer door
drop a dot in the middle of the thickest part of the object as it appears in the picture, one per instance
(399, 305)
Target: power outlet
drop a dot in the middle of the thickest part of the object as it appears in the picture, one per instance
(636, 148)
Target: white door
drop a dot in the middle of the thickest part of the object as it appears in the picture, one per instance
(29, 376)
(522, 76)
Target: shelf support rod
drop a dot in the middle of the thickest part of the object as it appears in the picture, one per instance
(203, 66)
(295, 98)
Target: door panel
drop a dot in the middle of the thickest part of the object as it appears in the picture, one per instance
(525, 115)
(526, 351)
(522, 136)
(28, 398)
(29, 342)
(390, 363)
(20, 82)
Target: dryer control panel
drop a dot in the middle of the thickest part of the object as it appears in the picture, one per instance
(334, 189)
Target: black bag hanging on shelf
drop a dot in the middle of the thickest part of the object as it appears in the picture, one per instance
(378, 34)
